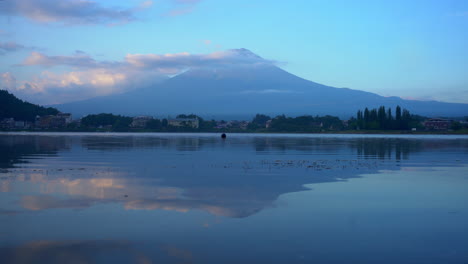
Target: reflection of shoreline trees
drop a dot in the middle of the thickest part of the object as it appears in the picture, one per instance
(401, 148)
(368, 148)
(359, 147)
(110, 143)
(397, 149)
(14, 148)
(298, 144)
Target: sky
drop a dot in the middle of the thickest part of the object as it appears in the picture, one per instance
(61, 51)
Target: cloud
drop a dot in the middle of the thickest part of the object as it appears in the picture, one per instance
(145, 5)
(166, 63)
(180, 11)
(52, 88)
(6, 47)
(87, 77)
(235, 57)
(70, 11)
(182, 7)
(7, 81)
(79, 60)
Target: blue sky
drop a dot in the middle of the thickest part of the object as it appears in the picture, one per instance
(58, 51)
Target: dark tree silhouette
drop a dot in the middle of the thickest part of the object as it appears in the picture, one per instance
(10, 106)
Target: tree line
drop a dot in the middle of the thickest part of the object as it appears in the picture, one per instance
(383, 119)
(305, 123)
(10, 106)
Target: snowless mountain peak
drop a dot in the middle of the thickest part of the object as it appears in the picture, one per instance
(243, 52)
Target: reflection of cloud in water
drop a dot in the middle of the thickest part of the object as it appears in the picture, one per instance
(237, 194)
(181, 254)
(91, 251)
(5, 186)
(41, 202)
(234, 178)
(236, 210)
(167, 201)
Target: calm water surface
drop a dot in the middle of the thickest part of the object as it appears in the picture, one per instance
(195, 198)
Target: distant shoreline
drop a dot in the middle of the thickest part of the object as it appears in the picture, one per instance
(348, 132)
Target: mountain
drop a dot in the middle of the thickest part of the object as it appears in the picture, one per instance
(242, 91)
(10, 106)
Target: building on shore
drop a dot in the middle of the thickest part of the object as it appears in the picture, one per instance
(233, 124)
(7, 123)
(184, 122)
(12, 124)
(437, 124)
(141, 121)
(67, 117)
(53, 121)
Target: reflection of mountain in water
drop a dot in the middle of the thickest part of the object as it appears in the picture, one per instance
(237, 177)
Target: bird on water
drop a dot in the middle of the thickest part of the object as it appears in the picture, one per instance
(223, 136)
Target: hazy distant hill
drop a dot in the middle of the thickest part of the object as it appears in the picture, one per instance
(10, 106)
(244, 91)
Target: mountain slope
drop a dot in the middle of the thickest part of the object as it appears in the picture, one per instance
(10, 106)
(243, 91)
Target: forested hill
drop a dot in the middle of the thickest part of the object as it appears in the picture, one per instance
(10, 106)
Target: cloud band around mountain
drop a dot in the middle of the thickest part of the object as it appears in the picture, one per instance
(152, 61)
(87, 77)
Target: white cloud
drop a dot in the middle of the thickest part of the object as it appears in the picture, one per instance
(78, 60)
(88, 77)
(7, 81)
(163, 62)
(52, 88)
(183, 60)
(70, 11)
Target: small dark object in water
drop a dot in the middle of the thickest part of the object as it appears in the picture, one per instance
(223, 136)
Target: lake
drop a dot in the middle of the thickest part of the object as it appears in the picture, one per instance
(251, 198)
